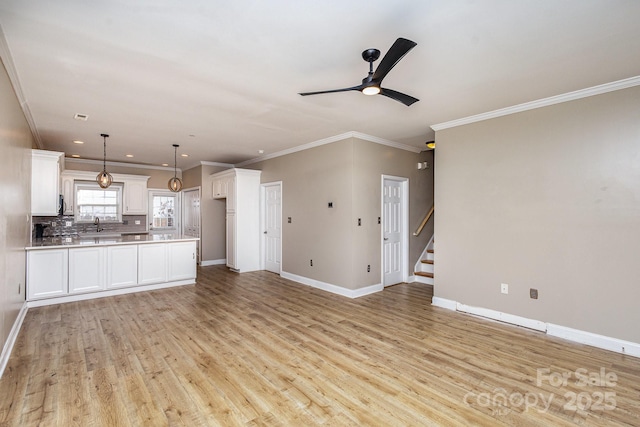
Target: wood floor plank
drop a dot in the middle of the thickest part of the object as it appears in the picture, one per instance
(255, 349)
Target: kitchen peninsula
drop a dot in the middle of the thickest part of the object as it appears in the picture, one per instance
(65, 269)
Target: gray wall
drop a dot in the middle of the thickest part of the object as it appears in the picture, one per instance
(15, 200)
(546, 199)
(348, 174)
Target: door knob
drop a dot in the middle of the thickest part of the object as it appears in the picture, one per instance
(386, 238)
(264, 232)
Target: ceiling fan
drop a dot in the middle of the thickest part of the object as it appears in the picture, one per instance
(371, 84)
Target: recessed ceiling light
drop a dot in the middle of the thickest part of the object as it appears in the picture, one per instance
(184, 155)
(129, 155)
(165, 164)
(82, 117)
(260, 151)
(77, 141)
(75, 155)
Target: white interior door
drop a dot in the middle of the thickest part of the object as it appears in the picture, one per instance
(272, 226)
(393, 258)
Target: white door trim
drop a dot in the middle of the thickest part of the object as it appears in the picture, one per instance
(263, 213)
(404, 235)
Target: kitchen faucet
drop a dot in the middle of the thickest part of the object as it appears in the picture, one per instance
(96, 222)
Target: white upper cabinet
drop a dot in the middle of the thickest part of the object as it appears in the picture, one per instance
(135, 196)
(45, 182)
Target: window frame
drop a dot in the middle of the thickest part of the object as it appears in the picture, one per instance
(93, 186)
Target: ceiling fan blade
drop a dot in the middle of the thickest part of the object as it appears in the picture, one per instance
(398, 96)
(399, 49)
(346, 89)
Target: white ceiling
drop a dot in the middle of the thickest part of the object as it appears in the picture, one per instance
(221, 78)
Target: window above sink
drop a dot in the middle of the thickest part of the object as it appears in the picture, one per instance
(94, 202)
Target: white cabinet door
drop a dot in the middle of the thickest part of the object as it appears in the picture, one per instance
(68, 194)
(47, 273)
(87, 269)
(220, 188)
(45, 182)
(181, 261)
(122, 266)
(231, 240)
(152, 263)
(135, 197)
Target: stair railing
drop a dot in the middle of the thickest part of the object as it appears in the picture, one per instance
(424, 221)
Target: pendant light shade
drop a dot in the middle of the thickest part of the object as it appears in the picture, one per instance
(104, 178)
(175, 184)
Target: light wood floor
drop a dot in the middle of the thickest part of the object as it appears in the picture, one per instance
(255, 349)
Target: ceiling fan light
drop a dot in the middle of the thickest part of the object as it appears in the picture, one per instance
(371, 90)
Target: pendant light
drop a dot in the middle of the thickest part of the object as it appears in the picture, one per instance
(104, 178)
(175, 184)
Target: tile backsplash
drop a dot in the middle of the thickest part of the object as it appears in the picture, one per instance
(57, 225)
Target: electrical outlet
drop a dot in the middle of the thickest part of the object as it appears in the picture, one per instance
(330, 204)
(68, 223)
(289, 220)
(533, 293)
(359, 222)
(368, 268)
(311, 262)
(137, 222)
(504, 288)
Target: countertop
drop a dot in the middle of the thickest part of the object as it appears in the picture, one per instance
(108, 239)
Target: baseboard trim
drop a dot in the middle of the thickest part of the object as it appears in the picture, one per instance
(11, 339)
(575, 335)
(109, 293)
(334, 289)
(444, 303)
(594, 340)
(503, 317)
(213, 262)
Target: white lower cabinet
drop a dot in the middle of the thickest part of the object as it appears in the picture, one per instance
(181, 261)
(152, 265)
(69, 272)
(122, 266)
(47, 273)
(87, 269)
(231, 240)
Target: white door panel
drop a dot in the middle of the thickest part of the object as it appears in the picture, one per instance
(392, 235)
(272, 227)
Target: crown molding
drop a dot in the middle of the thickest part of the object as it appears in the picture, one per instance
(222, 165)
(9, 66)
(330, 140)
(123, 164)
(545, 102)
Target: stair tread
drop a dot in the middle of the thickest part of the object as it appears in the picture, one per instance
(427, 261)
(423, 274)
